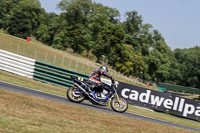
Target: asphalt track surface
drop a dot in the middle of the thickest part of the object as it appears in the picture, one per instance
(49, 96)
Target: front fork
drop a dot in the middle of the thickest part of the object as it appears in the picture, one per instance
(118, 98)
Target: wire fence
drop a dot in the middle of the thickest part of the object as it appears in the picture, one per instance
(46, 56)
(55, 57)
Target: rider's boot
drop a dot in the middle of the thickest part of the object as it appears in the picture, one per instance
(90, 91)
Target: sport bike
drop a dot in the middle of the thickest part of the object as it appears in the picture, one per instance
(80, 92)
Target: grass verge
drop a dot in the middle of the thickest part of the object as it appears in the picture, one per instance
(26, 82)
(27, 114)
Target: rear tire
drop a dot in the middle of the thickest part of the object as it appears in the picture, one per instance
(73, 97)
(122, 107)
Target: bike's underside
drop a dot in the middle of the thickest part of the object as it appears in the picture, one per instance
(78, 94)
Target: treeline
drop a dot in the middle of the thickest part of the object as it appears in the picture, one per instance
(92, 29)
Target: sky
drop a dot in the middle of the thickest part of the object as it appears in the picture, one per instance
(177, 20)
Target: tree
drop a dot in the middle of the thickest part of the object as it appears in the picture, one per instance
(6, 10)
(132, 27)
(25, 18)
(52, 31)
(77, 14)
(106, 42)
(189, 61)
(128, 61)
(86, 21)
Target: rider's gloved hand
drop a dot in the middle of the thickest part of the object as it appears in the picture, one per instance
(99, 85)
(113, 80)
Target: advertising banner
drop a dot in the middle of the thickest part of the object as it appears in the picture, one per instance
(164, 102)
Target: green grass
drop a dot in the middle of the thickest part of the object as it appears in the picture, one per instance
(23, 81)
(27, 114)
(30, 83)
(44, 53)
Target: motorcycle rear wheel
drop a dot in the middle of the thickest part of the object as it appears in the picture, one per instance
(119, 107)
(73, 97)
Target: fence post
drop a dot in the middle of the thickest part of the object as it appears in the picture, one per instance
(1, 44)
(76, 64)
(46, 55)
(35, 54)
(63, 60)
(88, 65)
(70, 62)
(82, 66)
(54, 61)
(24, 53)
(18, 48)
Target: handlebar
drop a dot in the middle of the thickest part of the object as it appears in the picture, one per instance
(113, 82)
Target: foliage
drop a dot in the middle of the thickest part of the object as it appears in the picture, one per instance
(131, 63)
(6, 7)
(189, 60)
(25, 18)
(131, 47)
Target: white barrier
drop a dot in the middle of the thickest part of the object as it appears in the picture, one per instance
(16, 57)
(16, 64)
(16, 71)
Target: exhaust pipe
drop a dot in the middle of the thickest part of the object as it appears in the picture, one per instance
(81, 88)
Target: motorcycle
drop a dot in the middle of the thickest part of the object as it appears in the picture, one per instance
(80, 92)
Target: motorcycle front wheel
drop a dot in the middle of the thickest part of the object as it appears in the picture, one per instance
(119, 106)
(74, 95)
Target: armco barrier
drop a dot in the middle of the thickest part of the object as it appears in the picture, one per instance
(17, 57)
(39, 70)
(178, 88)
(16, 64)
(55, 75)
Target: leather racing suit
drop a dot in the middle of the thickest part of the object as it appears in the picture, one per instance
(95, 78)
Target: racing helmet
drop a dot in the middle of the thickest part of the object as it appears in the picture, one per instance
(104, 68)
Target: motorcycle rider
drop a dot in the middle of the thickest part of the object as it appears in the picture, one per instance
(95, 79)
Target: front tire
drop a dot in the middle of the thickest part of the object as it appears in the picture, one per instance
(120, 106)
(73, 97)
